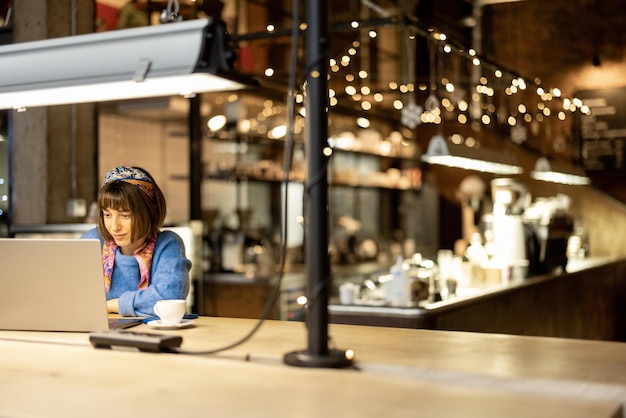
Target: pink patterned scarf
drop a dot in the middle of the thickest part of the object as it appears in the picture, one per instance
(143, 255)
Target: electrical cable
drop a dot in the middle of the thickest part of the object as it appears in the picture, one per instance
(376, 8)
(287, 160)
(42, 341)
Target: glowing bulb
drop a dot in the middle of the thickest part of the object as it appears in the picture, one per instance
(216, 123)
(278, 132)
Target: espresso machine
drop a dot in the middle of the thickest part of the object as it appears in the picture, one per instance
(551, 225)
(510, 199)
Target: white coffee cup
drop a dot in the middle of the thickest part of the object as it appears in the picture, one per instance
(170, 311)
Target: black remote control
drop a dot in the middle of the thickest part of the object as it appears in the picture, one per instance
(143, 341)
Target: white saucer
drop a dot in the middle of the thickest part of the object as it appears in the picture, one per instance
(159, 325)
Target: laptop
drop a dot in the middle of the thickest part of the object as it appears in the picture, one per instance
(54, 285)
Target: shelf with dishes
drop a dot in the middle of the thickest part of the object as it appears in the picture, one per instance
(271, 171)
(235, 157)
(384, 149)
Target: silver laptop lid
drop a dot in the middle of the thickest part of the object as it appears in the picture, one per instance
(52, 285)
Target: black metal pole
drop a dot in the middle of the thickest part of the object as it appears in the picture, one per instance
(317, 353)
(195, 159)
(195, 194)
(317, 268)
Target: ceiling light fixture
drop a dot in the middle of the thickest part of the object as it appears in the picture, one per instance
(543, 171)
(461, 156)
(181, 58)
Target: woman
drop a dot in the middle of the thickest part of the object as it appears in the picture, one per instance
(142, 264)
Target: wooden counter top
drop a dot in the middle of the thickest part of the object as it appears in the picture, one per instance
(399, 372)
(587, 301)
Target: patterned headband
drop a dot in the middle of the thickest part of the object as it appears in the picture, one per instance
(130, 175)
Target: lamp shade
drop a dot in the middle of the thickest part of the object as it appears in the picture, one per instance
(439, 152)
(162, 60)
(543, 171)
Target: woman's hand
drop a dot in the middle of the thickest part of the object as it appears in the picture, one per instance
(113, 306)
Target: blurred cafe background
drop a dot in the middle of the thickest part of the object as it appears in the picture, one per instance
(475, 160)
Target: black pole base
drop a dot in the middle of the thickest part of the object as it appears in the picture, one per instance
(335, 359)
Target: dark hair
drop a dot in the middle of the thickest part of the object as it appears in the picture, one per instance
(148, 213)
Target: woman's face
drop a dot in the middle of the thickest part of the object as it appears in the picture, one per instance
(119, 225)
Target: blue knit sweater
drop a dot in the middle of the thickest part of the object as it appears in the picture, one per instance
(169, 275)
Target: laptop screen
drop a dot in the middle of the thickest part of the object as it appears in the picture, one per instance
(52, 285)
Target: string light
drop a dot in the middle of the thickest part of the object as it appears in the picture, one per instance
(497, 84)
